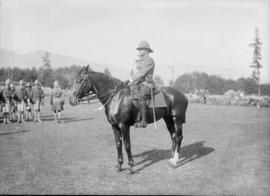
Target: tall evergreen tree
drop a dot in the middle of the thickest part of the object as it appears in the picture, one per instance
(256, 65)
(46, 76)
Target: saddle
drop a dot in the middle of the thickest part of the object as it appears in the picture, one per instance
(142, 91)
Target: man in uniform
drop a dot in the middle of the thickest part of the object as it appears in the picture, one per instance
(37, 95)
(29, 104)
(21, 96)
(141, 77)
(13, 103)
(7, 94)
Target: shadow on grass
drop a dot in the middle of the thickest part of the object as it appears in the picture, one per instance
(51, 118)
(187, 153)
(14, 132)
(77, 119)
(65, 119)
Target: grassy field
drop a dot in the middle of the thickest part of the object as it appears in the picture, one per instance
(225, 150)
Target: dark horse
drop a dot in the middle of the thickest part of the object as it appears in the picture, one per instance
(121, 110)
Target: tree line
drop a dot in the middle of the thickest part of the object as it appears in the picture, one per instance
(186, 83)
(46, 76)
(190, 82)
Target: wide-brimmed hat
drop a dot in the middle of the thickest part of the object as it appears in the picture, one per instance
(28, 84)
(144, 45)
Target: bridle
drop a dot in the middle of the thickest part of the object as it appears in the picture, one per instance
(93, 92)
(90, 96)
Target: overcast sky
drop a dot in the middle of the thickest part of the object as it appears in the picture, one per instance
(210, 36)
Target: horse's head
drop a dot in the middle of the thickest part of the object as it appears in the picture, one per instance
(82, 86)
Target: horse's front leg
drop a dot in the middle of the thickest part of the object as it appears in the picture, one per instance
(125, 129)
(118, 141)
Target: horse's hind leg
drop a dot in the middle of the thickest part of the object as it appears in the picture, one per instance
(174, 125)
(118, 141)
(178, 139)
(171, 128)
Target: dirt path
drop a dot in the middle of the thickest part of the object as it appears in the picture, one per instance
(226, 150)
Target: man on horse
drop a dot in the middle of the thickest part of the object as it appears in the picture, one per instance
(141, 79)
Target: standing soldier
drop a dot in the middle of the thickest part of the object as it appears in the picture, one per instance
(141, 78)
(29, 101)
(57, 102)
(6, 93)
(21, 101)
(13, 103)
(37, 95)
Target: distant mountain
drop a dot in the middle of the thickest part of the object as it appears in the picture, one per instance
(34, 59)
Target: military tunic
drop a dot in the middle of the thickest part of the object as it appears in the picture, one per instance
(7, 94)
(29, 100)
(21, 99)
(144, 70)
(13, 104)
(36, 96)
(142, 76)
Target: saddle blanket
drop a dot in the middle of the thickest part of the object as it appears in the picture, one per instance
(159, 101)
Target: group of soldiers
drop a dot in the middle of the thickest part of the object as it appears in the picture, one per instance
(21, 100)
(25, 100)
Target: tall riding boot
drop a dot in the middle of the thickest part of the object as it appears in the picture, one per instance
(143, 122)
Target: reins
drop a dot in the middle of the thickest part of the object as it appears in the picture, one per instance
(112, 94)
(88, 97)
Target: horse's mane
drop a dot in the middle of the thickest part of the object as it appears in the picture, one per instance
(104, 76)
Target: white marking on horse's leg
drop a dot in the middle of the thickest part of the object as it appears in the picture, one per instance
(176, 155)
(174, 160)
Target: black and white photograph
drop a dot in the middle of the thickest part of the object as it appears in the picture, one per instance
(135, 97)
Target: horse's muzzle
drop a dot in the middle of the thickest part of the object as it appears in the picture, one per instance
(73, 100)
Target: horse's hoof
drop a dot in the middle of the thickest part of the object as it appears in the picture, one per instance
(131, 172)
(173, 163)
(118, 168)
